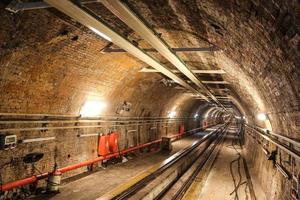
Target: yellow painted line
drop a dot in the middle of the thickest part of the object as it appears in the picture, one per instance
(122, 187)
(119, 189)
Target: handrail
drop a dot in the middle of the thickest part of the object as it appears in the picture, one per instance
(285, 148)
(35, 178)
(294, 142)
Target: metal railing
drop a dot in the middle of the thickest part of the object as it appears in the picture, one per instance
(271, 137)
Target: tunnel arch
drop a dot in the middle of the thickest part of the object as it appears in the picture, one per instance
(53, 65)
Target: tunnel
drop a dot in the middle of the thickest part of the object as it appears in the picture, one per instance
(150, 99)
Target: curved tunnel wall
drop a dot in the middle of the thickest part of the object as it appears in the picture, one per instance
(49, 64)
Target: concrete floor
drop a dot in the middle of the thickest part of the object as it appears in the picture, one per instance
(220, 185)
(97, 184)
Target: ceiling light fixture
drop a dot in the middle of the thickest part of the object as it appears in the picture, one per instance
(172, 114)
(261, 116)
(92, 108)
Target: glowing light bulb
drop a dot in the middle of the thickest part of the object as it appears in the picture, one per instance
(92, 108)
(172, 114)
(261, 116)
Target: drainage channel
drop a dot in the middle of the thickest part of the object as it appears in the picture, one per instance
(156, 184)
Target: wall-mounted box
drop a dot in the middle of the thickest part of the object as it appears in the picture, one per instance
(7, 141)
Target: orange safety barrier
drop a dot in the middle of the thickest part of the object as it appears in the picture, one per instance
(113, 142)
(36, 178)
(103, 145)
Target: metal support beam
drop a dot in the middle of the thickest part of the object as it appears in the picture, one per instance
(16, 6)
(214, 82)
(130, 18)
(202, 71)
(93, 22)
(182, 49)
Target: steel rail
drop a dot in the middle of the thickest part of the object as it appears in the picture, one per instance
(167, 163)
(181, 191)
(35, 178)
(135, 23)
(89, 19)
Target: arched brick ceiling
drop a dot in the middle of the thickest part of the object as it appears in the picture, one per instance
(51, 64)
(259, 44)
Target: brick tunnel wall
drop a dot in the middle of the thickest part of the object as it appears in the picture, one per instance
(49, 66)
(260, 53)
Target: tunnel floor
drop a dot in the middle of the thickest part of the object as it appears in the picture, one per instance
(99, 183)
(219, 182)
(220, 185)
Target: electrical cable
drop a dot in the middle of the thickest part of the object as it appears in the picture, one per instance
(236, 183)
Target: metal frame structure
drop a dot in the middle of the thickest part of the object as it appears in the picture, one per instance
(180, 49)
(93, 22)
(136, 24)
(197, 71)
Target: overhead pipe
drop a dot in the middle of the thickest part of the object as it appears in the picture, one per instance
(96, 24)
(35, 178)
(133, 21)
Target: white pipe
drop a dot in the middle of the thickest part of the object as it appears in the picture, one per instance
(38, 139)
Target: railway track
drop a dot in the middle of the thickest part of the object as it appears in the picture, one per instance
(176, 174)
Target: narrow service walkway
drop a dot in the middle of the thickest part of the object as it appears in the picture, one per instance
(227, 178)
(96, 184)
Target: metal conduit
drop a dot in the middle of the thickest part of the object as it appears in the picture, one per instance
(35, 178)
(78, 116)
(82, 121)
(132, 20)
(283, 147)
(75, 127)
(93, 22)
(287, 139)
